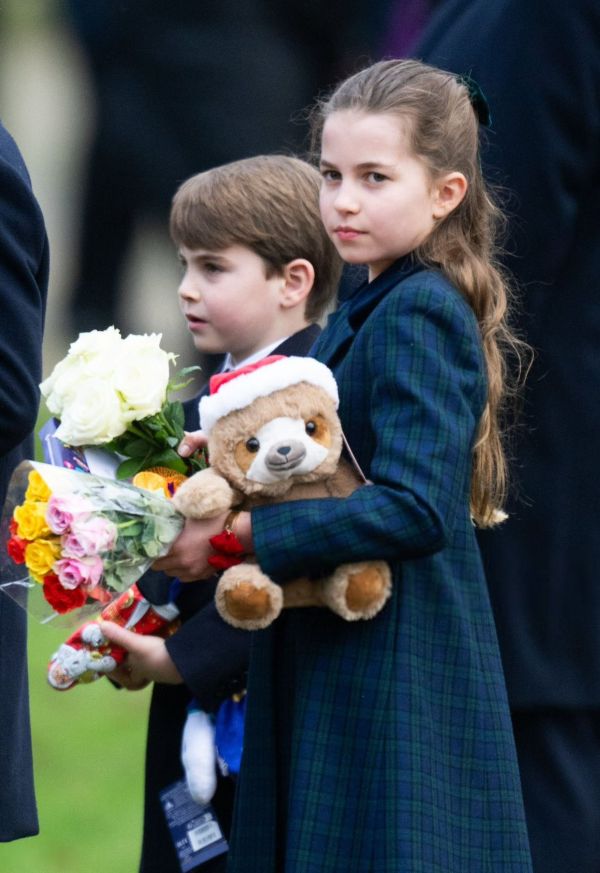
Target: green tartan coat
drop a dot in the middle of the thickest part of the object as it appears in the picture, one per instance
(386, 745)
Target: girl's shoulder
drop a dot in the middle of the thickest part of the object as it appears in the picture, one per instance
(430, 291)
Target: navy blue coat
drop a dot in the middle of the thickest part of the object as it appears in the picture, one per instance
(386, 745)
(542, 565)
(23, 286)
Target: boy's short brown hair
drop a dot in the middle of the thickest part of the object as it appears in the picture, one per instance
(270, 204)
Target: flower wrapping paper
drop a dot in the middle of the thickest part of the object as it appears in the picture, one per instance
(75, 541)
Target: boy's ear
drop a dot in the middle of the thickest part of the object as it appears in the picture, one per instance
(299, 277)
(448, 192)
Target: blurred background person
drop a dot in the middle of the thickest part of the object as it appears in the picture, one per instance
(23, 287)
(181, 86)
(538, 62)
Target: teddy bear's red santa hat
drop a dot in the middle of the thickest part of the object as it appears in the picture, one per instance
(240, 388)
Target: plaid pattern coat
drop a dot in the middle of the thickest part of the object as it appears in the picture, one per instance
(386, 745)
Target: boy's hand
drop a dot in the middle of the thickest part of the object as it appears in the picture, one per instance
(188, 557)
(147, 659)
(191, 443)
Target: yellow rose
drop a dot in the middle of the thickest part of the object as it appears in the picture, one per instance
(40, 557)
(37, 488)
(31, 520)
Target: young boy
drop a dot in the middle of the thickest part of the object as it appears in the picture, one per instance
(259, 271)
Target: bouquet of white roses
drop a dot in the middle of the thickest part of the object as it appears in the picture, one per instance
(75, 541)
(113, 392)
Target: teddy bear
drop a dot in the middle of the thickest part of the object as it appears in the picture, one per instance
(274, 435)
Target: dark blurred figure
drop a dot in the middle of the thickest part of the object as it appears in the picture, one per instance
(406, 21)
(538, 62)
(181, 86)
(23, 287)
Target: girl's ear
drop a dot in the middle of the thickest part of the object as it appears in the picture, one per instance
(299, 277)
(448, 193)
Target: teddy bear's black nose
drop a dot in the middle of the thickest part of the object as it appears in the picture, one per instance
(285, 455)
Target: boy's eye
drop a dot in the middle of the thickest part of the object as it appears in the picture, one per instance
(211, 267)
(252, 445)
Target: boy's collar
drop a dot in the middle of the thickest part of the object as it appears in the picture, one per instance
(230, 364)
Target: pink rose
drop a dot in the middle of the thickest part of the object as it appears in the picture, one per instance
(64, 509)
(73, 572)
(89, 536)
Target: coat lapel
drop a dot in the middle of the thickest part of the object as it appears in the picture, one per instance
(344, 323)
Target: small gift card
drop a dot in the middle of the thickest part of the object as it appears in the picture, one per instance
(93, 460)
(195, 831)
(57, 453)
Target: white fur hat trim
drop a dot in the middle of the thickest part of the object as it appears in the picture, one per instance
(242, 390)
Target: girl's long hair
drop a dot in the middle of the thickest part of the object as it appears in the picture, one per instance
(443, 131)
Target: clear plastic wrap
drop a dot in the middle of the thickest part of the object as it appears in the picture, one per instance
(72, 541)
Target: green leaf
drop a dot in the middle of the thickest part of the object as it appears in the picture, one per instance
(130, 467)
(177, 414)
(170, 459)
(187, 370)
(136, 448)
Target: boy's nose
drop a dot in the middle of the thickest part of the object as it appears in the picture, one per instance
(187, 289)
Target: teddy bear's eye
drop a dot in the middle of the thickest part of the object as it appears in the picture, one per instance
(311, 428)
(252, 444)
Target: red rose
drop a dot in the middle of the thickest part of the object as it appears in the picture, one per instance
(15, 547)
(62, 599)
(13, 527)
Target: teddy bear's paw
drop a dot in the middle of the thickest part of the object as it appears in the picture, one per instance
(358, 591)
(246, 598)
(203, 495)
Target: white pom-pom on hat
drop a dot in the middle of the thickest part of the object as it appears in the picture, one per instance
(240, 388)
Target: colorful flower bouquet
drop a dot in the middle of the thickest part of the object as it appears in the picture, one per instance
(76, 541)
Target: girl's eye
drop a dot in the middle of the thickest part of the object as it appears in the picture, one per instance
(311, 428)
(376, 177)
(330, 175)
(252, 445)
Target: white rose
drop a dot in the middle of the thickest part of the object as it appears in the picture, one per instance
(102, 344)
(64, 381)
(93, 415)
(142, 375)
(93, 354)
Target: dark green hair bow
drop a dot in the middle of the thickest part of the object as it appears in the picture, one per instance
(478, 100)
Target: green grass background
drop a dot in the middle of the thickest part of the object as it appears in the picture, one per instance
(88, 748)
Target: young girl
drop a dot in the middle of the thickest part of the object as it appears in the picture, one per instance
(386, 745)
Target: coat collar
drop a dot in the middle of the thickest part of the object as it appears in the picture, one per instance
(358, 306)
(369, 294)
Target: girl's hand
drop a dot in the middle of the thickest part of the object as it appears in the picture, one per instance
(191, 443)
(147, 659)
(188, 557)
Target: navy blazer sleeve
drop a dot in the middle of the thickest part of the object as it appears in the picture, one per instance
(422, 362)
(23, 282)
